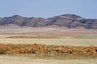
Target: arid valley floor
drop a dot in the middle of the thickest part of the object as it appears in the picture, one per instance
(47, 36)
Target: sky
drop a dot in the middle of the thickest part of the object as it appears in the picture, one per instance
(48, 8)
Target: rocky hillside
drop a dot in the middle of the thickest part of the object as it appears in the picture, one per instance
(67, 20)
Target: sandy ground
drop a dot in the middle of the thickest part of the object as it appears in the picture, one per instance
(25, 60)
(45, 31)
(71, 42)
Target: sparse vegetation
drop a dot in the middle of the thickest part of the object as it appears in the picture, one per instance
(47, 49)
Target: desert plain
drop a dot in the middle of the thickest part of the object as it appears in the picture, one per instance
(47, 36)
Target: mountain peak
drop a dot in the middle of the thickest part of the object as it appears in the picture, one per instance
(16, 16)
(71, 15)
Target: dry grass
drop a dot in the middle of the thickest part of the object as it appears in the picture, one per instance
(67, 38)
(34, 37)
(86, 40)
(21, 59)
(79, 40)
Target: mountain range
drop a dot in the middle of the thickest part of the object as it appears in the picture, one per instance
(66, 20)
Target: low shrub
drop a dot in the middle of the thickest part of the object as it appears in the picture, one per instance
(2, 51)
(47, 49)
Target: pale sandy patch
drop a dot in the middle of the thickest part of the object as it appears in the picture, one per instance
(26, 60)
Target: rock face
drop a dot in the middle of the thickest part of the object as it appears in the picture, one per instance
(67, 20)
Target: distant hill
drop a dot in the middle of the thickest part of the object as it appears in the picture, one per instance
(66, 20)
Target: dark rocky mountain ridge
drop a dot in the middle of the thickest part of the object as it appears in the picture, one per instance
(66, 20)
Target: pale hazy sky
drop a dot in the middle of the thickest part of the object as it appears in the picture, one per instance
(48, 8)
